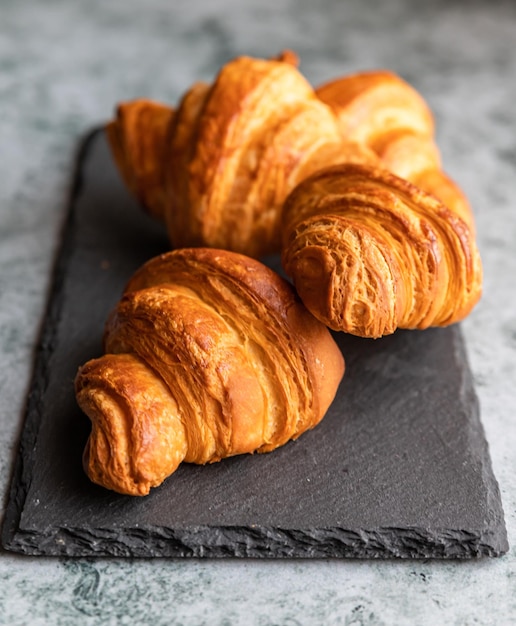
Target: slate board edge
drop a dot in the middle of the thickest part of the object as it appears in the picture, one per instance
(201, 541)
(22, 473)
(262, 542)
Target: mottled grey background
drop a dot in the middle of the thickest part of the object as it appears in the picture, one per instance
(63, 65)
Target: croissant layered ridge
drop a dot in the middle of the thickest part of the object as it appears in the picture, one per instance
(208, 354)
(230, 153)
(369, 252)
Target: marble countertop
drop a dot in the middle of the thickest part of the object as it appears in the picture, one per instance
(63, 66)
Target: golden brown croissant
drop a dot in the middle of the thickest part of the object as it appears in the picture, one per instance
(218, 169)
(387, 115)
(208, 354)
(369, 252)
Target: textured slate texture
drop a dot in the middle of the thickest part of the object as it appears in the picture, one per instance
(398, 468)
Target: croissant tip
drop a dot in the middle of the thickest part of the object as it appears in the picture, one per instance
(288, 56)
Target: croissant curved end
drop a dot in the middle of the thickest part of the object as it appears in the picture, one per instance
(127, 452)
(137, 139)
(349, 287)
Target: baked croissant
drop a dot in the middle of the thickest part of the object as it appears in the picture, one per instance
(381, 111)
(369, 252)
(218, 168)
(208, 354)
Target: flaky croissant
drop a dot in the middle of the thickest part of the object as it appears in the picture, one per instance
(218, 168)
(208, 354)
(385, 114)
(369, 252)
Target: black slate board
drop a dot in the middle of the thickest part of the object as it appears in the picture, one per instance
(399, 467)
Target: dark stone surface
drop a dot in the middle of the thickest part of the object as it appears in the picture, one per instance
(399, 467)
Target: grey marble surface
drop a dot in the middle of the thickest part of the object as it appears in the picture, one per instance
(63, 65)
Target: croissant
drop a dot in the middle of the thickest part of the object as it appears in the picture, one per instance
(208, 354)
(370, 252)
(385, 114)
(218, 168)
